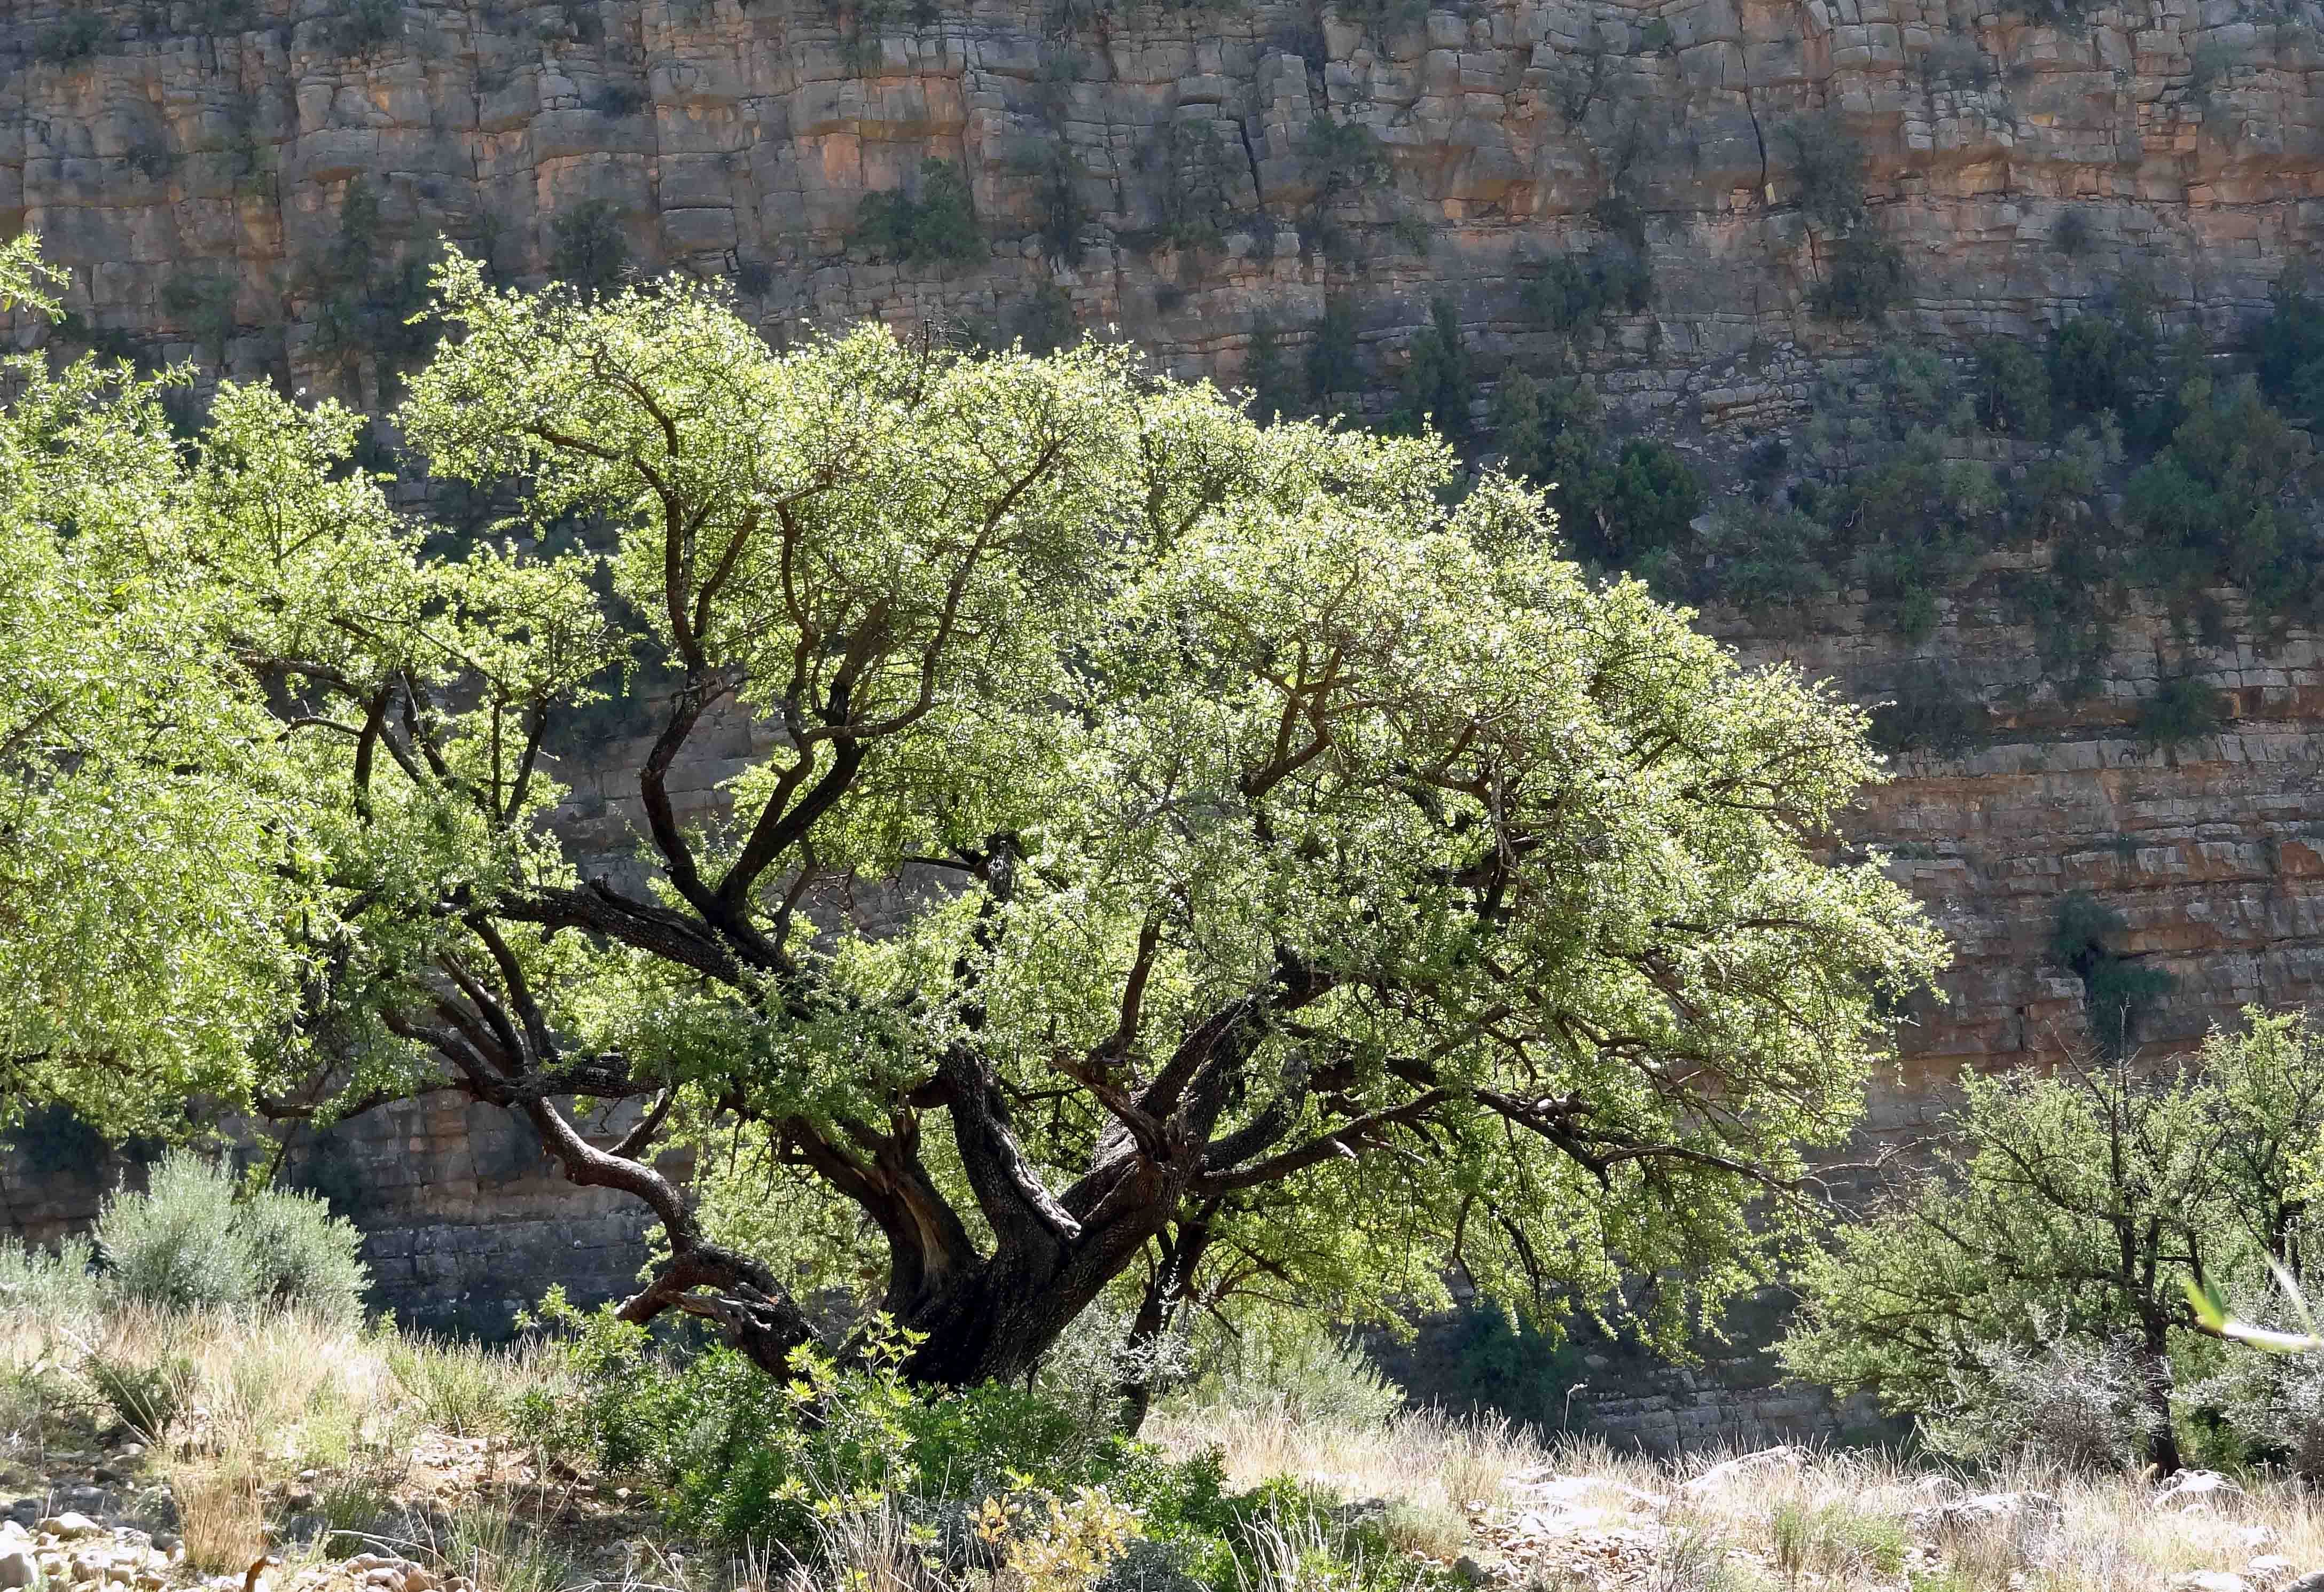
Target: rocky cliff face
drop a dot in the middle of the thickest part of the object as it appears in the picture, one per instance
(191, 162)
(253, 184)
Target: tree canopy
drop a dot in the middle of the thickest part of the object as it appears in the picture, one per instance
(1184, 845)
(2075, 1209)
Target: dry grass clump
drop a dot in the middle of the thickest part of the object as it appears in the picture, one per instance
(1424, 1456)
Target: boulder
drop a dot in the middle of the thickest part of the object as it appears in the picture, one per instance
(2027, 1516)
(1783, 1457)
(2199, 1489)
(17, 1568)
(71, 1527)
(2208, 1580)
(2269, 1570)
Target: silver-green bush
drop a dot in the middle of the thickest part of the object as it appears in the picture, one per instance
(188, 1243)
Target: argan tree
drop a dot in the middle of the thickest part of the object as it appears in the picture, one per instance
(1258, 842)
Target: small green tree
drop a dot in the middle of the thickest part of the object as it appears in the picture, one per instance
(937, 224)
(1438, 387)
(1333, 369)
(2073, 1209)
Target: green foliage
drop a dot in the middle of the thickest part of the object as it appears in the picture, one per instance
(589, 248)
(2117, 989)
(2181, 709)
(53, 1141)
(618, 101)
(936, 225)
(2287, 352)
(146, 1399)
(204, 300)
(78, 36)
(362, 26)
(1863, 278)
(1341, 161)
(1267, 372)
(1334, 372)
(1045, 321)
(2225, 501)
(1929, 713)
(1827, 162)
(1631, 507)
(188, 1242)
(371, 294)
(1571, 292)
(2012, 390)
(1312, 1373)
(2099, 364)
(1438, 385)
(1656, 38)
(2072, 233)
(1494, 1360)
(1382, 20)
(2031, 1291)
(59, 1285)
(1064, 213)
(1010, 599)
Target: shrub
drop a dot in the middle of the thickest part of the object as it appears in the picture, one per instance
(1382, 20)
(204, 300)
(1864, 280)
(589, 248)
(1929, 713)
(1763, 557)
(147, 1399)
(1494, 1361)
(2179, 710)
(2288, 352)
(1571, 292)
(937, 225)
(52, 1140)
(1437, 382)
(2012, 392)
(1333, 369)
(1340, 159)
(1828, 163)
(2115, 988)
(2069, 1402)
(1057, 193)
(1267, 372)
(2099, 363)
(2271, 1404)
(1313, 1374)
(1043, 321)
(175, 1246)
(302, 1255)
(79, 35)
(2072, 233)
(55, 1283)
(186, 1243)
